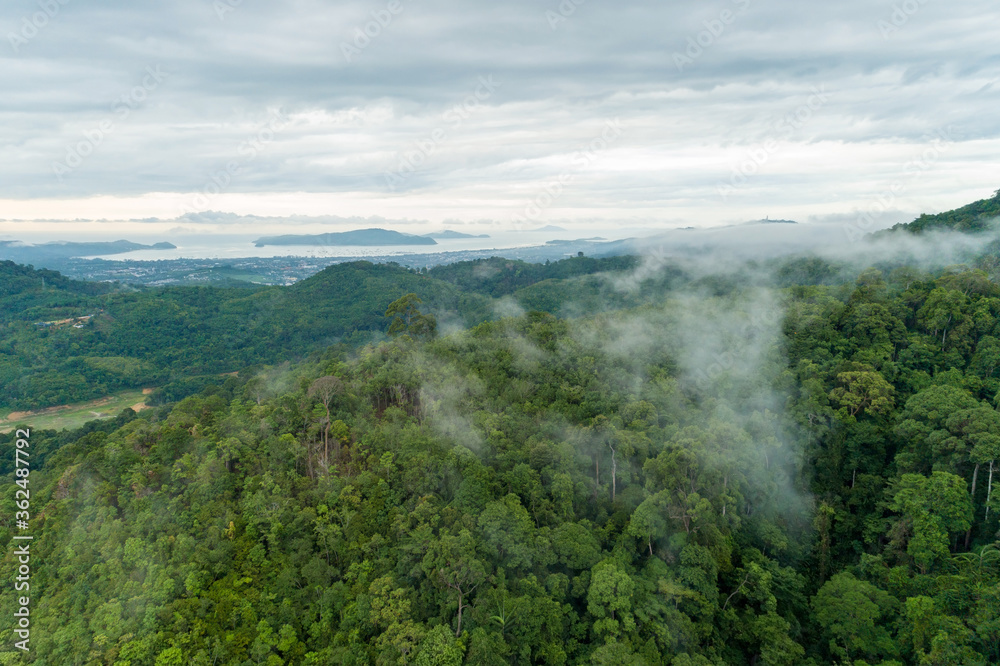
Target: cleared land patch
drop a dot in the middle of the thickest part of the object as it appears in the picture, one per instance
(74, 416)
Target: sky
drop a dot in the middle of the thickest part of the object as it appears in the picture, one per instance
(225, 115)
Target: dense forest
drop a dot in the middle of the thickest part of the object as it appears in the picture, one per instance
(171, 337)
(593, 462)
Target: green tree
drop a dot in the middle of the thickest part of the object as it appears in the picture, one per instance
(929, 442)
(326, 389)
(440, 648)
(508, 532)
(943, 311)
(616, 654)
(407, 318)
(930, 508)
(863, 391)
(452, 562)
(648, 521)
(609, 599)
(852, 613)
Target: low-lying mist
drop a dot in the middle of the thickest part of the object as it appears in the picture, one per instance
(759, 253)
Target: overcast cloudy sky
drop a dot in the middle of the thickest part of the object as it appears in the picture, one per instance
(640, 114)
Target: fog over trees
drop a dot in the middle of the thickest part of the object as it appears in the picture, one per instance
(637, 460)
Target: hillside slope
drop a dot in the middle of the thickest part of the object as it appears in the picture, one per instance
(977, 216)
(28, 293)
(784, 477)
(153, 337)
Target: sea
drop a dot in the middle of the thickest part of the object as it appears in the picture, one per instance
(240, 246)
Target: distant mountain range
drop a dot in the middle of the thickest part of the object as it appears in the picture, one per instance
(449, 235)
(769, 221)
(20, 251)
(358, 237)
(578, 240)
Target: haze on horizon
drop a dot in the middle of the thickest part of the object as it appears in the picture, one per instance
(584, 114)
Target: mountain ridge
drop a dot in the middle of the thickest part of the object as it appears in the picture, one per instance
(972, 218)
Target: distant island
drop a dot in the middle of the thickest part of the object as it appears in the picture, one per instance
(70, 249)
(369, 237)
(578, 240)
(449, 234)
(548, 227)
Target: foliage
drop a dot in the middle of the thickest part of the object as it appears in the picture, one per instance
(669, 478)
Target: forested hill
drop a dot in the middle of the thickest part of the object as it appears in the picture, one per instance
(502, 277)
(787, 477)
(158, 336)
(26, 293)
(18, 279)
(981, 215)
(152, 337)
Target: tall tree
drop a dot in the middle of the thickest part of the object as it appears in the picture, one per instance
(409, 320)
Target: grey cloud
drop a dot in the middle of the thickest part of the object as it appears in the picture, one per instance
(350, 122)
